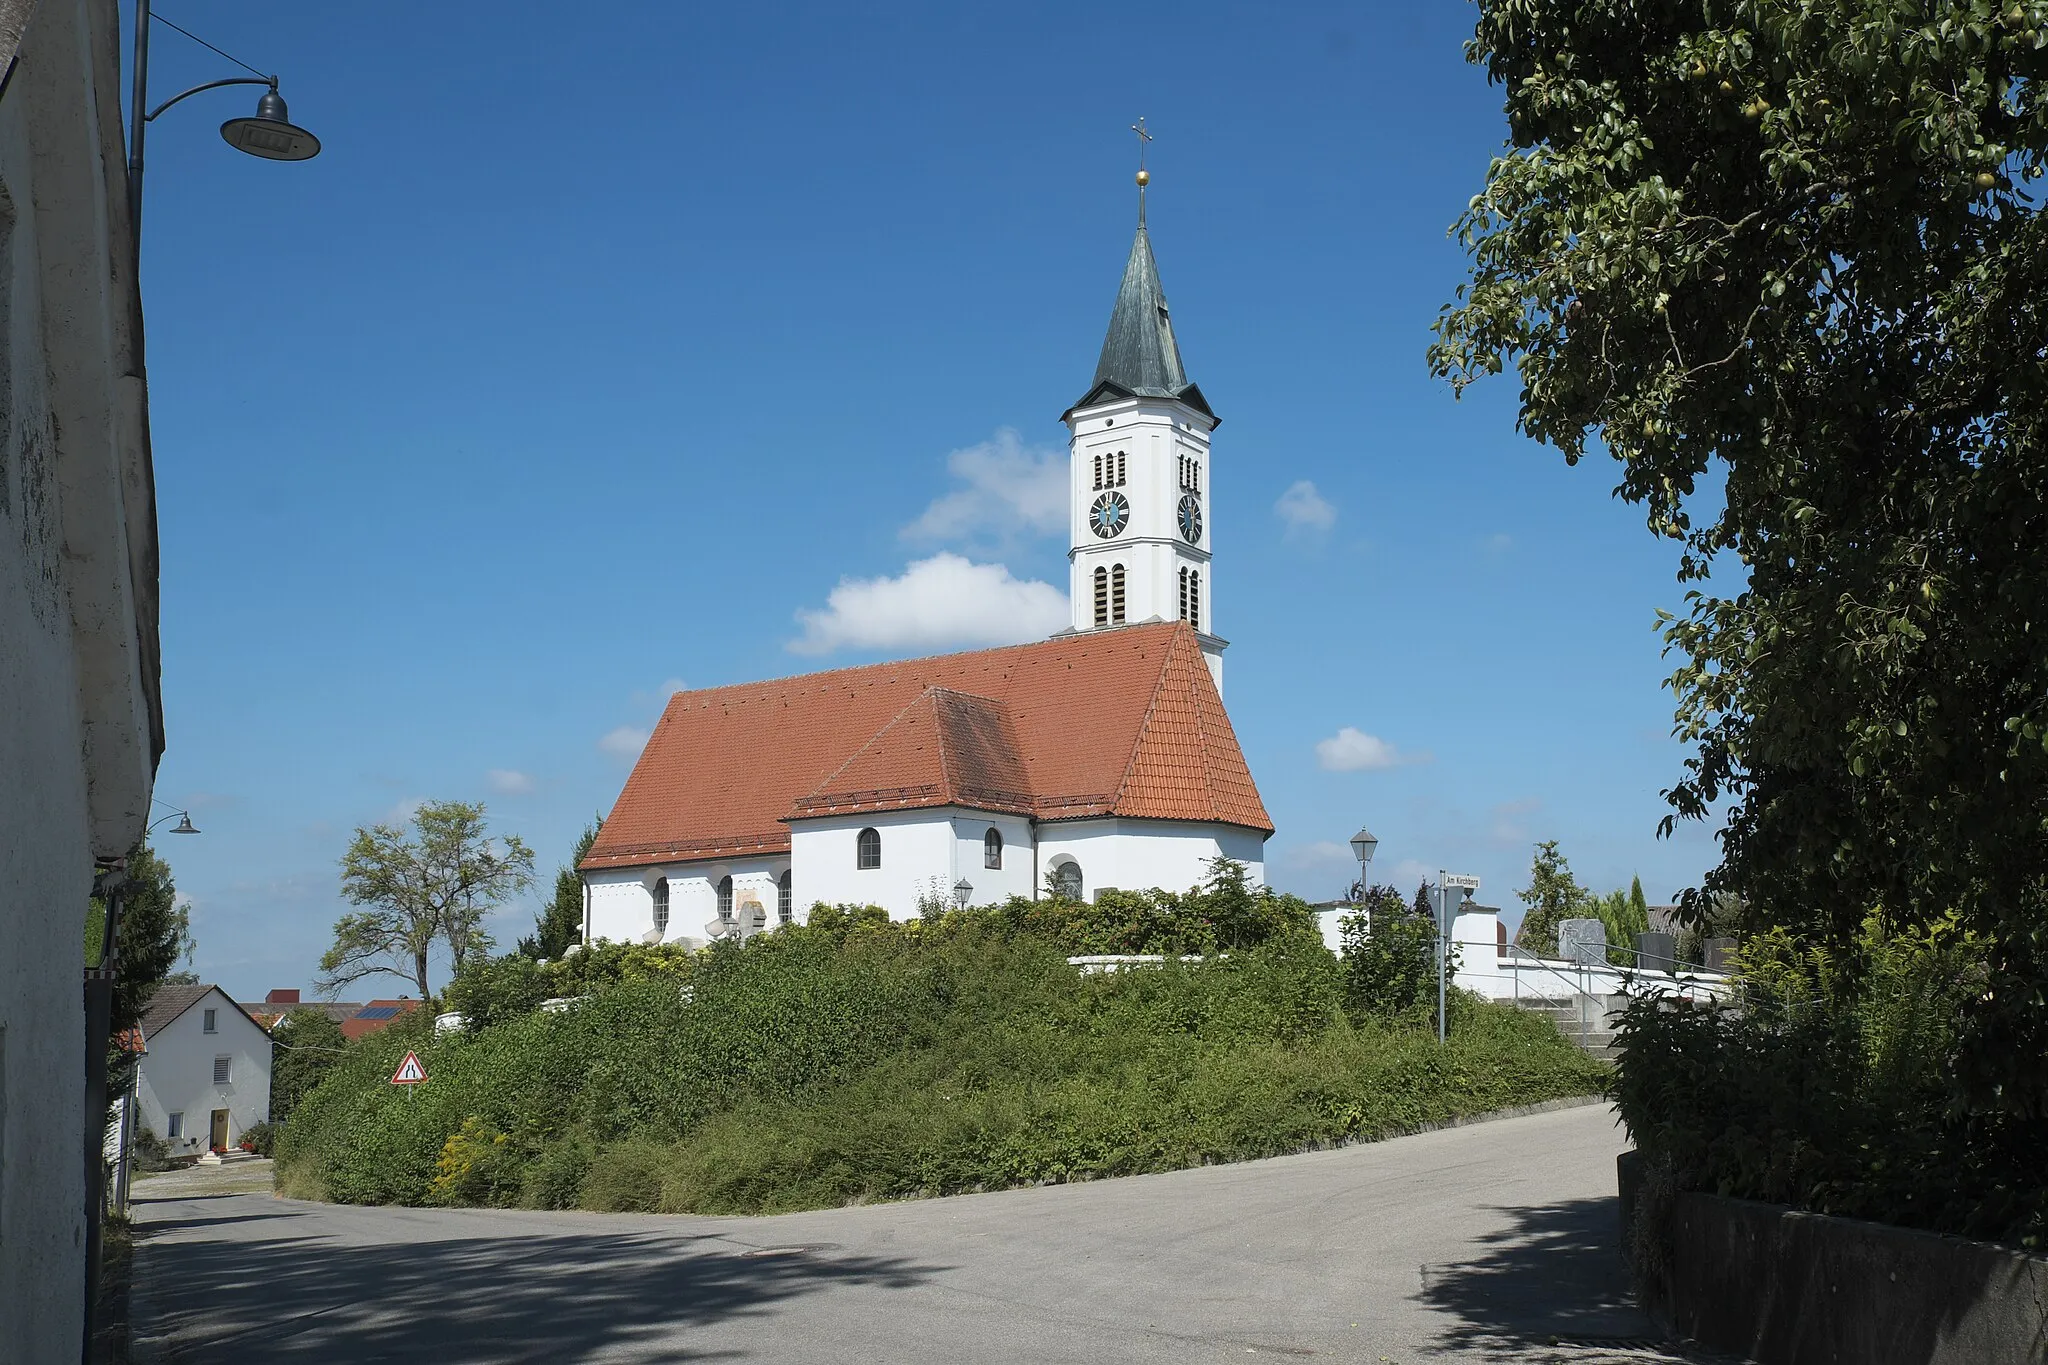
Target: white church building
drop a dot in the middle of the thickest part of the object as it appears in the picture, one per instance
(1099, 758)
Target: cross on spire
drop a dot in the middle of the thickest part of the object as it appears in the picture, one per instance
(1144, 176)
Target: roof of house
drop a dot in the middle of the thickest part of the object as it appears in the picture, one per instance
(167, 1003)
(268, 1012)
(375, 1016)
(1123, 722)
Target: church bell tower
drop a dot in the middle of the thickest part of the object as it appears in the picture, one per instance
(1140, 472)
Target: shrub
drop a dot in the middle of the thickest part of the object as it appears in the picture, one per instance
(261, 1138)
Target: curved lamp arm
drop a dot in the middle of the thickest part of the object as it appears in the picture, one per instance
(270, 81)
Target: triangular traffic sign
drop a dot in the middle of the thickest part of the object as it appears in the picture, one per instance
(409, 1072)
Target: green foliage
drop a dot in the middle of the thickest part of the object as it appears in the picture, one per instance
(1826, 1086)
(155, 935)
(303, 1046)
(560, 922)
(1783, 260)
(1389, 958)
(858, 1059)
(261, 1138)
(435, 888)
(1552, 896)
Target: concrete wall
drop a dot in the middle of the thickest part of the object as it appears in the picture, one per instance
(177, 1075)
(1789, 1288)
(80, 723)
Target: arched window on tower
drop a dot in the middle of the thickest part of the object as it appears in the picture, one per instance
(1101, 597)
(1120, 469)
(992, 848)
(1195, 598)
(1184, 592)
(1116, 594)
(661, 904)
(725, 898)
(867, 850)
(1098, 470)
(785, 905)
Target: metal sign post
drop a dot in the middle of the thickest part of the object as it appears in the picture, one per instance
(1453, 889)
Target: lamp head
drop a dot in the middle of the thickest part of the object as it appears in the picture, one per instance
(1363, 845)
(962, 891)
(184, 825)
(270, 134)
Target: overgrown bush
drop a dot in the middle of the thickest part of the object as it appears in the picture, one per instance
(1390, 967)
(857, 1059)
(261, 1138)
(1826, 1085)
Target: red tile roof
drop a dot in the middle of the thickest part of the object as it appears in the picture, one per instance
(1123, 722)
(375, 1017)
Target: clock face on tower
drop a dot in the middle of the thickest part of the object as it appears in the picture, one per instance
(1110, 514)
(1191, 519)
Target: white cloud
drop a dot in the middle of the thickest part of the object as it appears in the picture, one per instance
(936, 603)
(1499, 543)
(1351, 750)
(1304, 509)
(403, 812)
(510, 782)
(1011, 490)
(624, 742)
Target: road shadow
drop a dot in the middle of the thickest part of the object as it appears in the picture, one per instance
(458, 1300)
(1552, 1274)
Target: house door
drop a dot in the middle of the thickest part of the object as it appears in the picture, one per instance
(219, 1140)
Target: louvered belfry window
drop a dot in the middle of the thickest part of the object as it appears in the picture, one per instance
(1098, 471)
(1195, 599)
(1102, 597)
(1116, 594)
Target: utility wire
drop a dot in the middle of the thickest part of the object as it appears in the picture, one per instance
(158, 18)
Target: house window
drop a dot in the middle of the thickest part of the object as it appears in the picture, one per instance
(222, 1067)
(661, 904)
(1067, 880)
(867, 847)
(174, 1124)
(1195, 598)
(1102, 597)
(1116, 593)
(211, 1022)
(992, 848)
(784, 902)
(725, 898)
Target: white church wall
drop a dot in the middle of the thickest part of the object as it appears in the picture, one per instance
(1016, 877)
(1139, 855)
(622, 899)
(919, 851)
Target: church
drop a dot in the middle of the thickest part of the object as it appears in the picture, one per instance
(1099, 758)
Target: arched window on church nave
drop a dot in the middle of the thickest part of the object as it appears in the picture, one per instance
(1066, 879)
(1195, 598)
(992, 848)
(784, 903)
(725, 898)
(867, 849)
(661, 904)
(1102, 597)
(1116, 593)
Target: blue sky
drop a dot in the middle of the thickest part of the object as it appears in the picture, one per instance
(590, 358)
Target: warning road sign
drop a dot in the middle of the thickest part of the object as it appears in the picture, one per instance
(409, 1072)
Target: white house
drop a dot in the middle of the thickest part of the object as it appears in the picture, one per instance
(205, 1074)
(1102, 757)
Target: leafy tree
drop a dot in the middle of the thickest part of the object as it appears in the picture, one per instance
(155, 934)
(1553, 895)
(1782, 260)
(559, 925)
(434, 885)
(304, 1045)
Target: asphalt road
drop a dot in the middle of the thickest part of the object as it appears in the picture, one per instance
(1490, 1242)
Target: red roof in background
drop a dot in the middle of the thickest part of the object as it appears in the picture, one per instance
(130, 1040)
(375, 1017)
(1123, 722)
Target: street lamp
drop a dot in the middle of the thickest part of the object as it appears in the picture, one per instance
(1363, 845)
(184, 825)
(962, 890)
(269, 133)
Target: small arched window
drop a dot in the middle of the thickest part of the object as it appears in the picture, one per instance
(1067, 880)
(1102, 597)
(661, 904)
(1183, 593)
(1195, 598)
(1116, 593)
(1098, 472)
(725, 898)
(867, 849)
(992, 848)
(784, 906)
(1120, 469)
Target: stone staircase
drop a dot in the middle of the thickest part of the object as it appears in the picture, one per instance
(1585, 1020)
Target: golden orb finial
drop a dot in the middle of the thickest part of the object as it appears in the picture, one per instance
(1144, 178)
